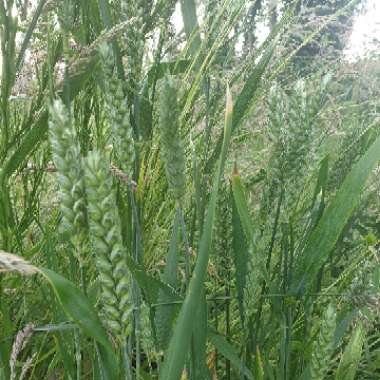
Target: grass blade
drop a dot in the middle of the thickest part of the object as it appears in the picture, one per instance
(190, 22)
(245, 218)
(332, 222)
(349, 362)
(229, 352)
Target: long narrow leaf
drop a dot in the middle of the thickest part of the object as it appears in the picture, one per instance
(349, 362)
(227, 350)
(329, 228)
(189, 16)
(74, 303)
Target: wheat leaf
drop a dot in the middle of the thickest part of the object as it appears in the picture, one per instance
(332, 222)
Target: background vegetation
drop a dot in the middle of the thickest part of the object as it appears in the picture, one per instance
(187, 203)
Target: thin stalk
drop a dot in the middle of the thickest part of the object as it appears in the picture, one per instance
(100, 363)
(187, 246)
(135, 287)
(228, 329)
(135, 216)
(137, 329)
(216, 329)
(285, 306)
(78, 356)
(126, 360)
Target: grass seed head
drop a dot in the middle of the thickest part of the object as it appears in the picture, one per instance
(171, 144)
(110, 254)
(68, 161)
(118, 112)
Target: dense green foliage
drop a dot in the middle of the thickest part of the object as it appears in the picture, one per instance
(174, 205)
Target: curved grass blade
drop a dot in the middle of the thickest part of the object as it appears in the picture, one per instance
(349, 362)
(245, 218)
(242, 205)
(190, 22)
(228, 351)
(251, 86)
(74, 303)
(180, 342)
(323, 238)
(79, 308)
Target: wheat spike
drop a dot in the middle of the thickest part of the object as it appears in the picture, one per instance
(68, 161)
(106, 237)
(171, 144)
(135, 40)
(118, 112)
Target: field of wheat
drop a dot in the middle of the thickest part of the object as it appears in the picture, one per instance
(182, 198)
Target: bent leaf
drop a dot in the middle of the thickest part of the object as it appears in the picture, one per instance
(332, 222)
(228, 351)
(349, 362)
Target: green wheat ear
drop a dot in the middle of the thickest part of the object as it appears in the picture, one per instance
(68, 161)
(118, 112)
(110, 255)
(135, 40)
(171, 144)
(323, 347)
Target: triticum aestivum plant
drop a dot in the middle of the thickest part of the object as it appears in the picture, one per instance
(291, 129)
(323, 346)
(135, 40)
(170, 140)
(110, 256)
(122, 133)
(68, 161)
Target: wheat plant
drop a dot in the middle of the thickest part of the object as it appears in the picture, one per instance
(181, 198)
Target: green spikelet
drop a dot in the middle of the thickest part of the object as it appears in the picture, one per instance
(106, 237)
(323, 346)
(67, 159)
(135, 39)
(171, 145)
(291, 130)
(118, 112)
